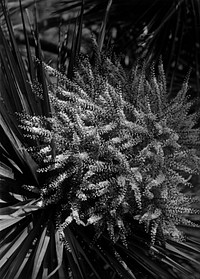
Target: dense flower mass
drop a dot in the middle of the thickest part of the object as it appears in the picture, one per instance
(116, 149)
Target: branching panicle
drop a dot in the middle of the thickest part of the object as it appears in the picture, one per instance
(122, 149)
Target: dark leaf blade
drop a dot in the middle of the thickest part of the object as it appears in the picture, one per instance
(28, 50)
(41, 75)
(10, 267)
(79, 32)
(74, 257)
(40, 252)
(15, 148)
(103, 26)
(59, 252)
(19, 70)
(9, 222)
(6, 171)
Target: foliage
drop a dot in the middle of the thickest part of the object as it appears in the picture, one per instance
(115, 148)
(135, 28)
(62, 138)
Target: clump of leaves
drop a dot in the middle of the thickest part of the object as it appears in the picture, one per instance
(116, 150)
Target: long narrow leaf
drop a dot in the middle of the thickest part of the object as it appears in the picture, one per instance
(24, 248)
(15, 246)
(5, 171)
(103, 26)
(40, 73)
(19, 71)
(182, 254)
(59, 253)
(9, 222)
(40, 253)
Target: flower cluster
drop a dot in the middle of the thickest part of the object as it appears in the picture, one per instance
(116, 149)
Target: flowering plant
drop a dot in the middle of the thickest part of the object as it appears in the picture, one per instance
(116, 149)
